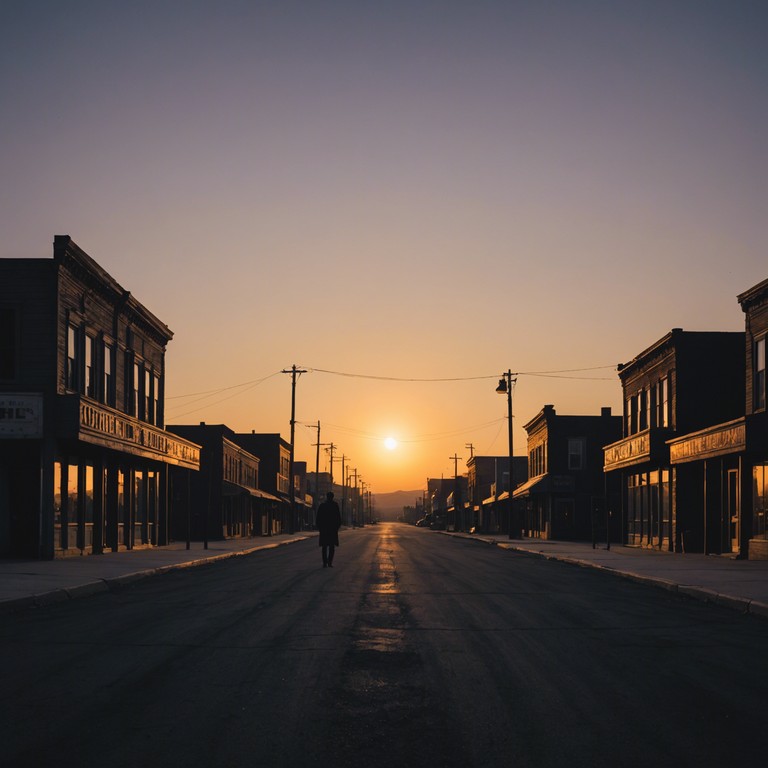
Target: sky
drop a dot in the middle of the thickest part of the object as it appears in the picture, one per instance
(405, 199)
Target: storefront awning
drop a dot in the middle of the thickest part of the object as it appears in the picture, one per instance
(266, 496)
(545, 483)
(233, 489)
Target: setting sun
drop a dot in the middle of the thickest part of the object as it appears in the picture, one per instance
(390, 443)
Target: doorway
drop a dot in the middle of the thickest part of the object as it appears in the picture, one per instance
(733, 511)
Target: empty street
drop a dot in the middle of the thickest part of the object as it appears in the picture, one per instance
(414, 649)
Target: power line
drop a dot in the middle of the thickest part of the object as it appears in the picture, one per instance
(245, 387)
(224, 389)
(255, 382)
(553, 374)
(417, 439)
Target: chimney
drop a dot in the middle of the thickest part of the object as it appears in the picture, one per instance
(605, 410)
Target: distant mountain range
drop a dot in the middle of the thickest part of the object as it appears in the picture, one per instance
(389, 506)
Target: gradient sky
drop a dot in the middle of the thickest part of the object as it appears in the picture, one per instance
(397, 190)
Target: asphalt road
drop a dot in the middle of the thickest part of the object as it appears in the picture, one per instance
(415, 650)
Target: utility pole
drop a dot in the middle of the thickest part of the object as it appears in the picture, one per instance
(471, 450)
(291, 491)
(505, 388)
(353, 494)
(456, 499)
(330, 450)
(360, 498)
(316, 494)
(343, 485)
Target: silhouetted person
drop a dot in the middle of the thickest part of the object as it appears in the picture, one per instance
(328, 524)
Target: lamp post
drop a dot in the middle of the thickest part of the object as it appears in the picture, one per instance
(505, 388)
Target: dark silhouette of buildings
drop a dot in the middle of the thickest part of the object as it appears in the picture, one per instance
(565, 495)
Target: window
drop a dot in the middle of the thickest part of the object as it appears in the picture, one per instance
(662, 402)
(643, 409)
(107, 384)
(135, 384)
(632, 414)
(89, 383)
(73, 358)
(58, 505)
(760, 501)
(158, 417)
(8, 343)
(575, 453)
(148, 397)
(759, 379)
(653, 406)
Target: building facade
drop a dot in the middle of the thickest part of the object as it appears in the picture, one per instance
(488, 490)
(84, 457)
(223, 500)
(684, 383)
(565, 495)
(728, 462)
(754, 303)
(274, 470)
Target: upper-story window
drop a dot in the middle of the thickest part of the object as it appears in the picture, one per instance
(643, 410)
(759, 378)
(538, 460)
(662, 402)
(632, 415)
(107, 385)
(575, 453)
(8, 343)
(134, 385)
(72, 372)
(89, 380)
(157, 416)
(148, 398)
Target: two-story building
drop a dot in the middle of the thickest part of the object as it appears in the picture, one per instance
(458, 511)
(438, 490)
(274, 471)
(684, 383)
(488, 489)
(565, 495)
(726, 461)
(223, 500)
(84, 457)
(754, 303)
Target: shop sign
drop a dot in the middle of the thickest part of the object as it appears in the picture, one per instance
(630, 451)
(135, 437)
(711, 443)
(21, 415)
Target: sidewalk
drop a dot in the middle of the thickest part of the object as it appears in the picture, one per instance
(25, 583)
(738, 584)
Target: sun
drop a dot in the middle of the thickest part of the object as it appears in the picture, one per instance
(390, 443)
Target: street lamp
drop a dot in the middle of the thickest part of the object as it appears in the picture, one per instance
(505, 388)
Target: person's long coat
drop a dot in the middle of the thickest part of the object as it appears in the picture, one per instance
(328, 523)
